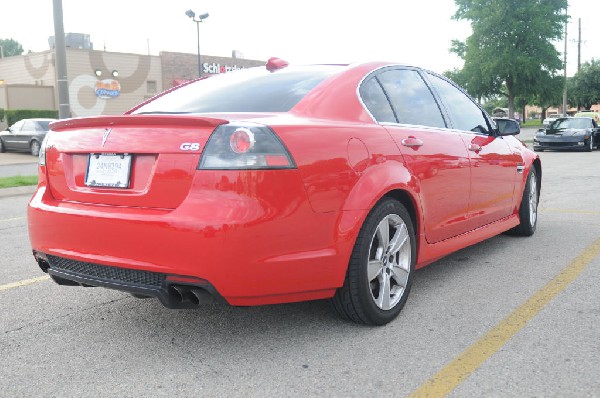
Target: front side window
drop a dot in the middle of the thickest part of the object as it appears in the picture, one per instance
(411, 99)
(249, 90)
(29, 125)
(465, 114)
(15, 128)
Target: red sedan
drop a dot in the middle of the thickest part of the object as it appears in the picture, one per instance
(280, 184)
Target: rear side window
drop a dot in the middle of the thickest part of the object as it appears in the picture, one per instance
(43, 125)
(411, 99)
(250, 90)
(376, 102)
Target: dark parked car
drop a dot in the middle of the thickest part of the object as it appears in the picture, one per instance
(569, 133)
(25, 136)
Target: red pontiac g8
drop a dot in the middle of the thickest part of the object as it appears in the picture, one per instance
(281, 184)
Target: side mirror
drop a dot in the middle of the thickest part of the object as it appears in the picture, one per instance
(507, 127)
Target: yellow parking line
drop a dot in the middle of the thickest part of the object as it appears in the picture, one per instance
(550, 210)
(24, 283)
(457, 371)
(13, 219)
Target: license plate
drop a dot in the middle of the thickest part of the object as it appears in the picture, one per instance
(108, 170)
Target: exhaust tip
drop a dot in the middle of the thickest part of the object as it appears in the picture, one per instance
(183, 296)
(42, 261)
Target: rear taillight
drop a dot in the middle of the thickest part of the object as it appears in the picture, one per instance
(243, 147)
(42, 153)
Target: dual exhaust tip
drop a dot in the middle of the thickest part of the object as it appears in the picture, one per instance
(184, 296)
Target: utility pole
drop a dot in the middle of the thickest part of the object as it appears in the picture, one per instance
(579, 48)
(564, 101)
(64, 107)
(579, 57)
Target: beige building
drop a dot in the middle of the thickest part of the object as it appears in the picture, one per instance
(100, 82)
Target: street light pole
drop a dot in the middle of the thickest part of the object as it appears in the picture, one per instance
(200, 18)
(198, 34)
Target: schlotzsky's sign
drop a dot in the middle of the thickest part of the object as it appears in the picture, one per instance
(107, 88)
(218, 68)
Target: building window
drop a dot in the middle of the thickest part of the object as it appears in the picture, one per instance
(151, 86)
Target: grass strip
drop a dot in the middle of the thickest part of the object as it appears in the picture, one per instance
(18, 181)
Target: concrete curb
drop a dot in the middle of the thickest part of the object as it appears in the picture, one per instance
(17, 191)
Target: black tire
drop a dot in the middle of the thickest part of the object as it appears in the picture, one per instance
(2, 149)
(590, 145)
(356, 300)
(34, 148)
(528, 209)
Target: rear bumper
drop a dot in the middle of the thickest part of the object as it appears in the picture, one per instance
(173, 291)
(249, 251)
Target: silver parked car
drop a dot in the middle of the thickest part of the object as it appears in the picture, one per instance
(25, 136)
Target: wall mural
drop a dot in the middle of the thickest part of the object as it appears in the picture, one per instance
(39, 72)
(88, 93)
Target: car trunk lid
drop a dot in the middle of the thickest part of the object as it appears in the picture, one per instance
(158, 155)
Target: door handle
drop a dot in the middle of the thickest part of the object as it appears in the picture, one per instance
(412, 142)
(474, 147)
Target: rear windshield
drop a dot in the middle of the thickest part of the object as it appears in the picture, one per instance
(248, 90)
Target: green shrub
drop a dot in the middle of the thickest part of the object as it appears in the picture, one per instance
(13, 116)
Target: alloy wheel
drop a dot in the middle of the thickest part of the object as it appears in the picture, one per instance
(35, 148)
(388, 269)
(533, 199)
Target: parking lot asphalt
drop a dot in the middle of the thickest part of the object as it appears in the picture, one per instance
(15, 164)
(508, 317)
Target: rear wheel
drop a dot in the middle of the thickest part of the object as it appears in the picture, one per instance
(35, 148)
(529, 205)
(380, 271)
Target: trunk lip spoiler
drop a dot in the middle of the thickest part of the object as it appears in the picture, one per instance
(139, 120)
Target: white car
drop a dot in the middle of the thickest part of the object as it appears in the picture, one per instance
(551, 118)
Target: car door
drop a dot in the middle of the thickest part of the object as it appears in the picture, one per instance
(11, 140)
(494, 163)
(23, 138)
(400, 100)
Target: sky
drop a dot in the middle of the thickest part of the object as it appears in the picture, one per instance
(309, 31)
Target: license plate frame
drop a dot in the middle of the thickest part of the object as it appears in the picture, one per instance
(109, 170)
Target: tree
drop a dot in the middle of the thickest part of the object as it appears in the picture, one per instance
(548, 92)
(10, 47)
(496, 102)
(511, 44)
(584, 87)
(471, 76)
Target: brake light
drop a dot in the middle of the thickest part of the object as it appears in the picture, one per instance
(242, 140)
(245, 147)
(275, 63)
